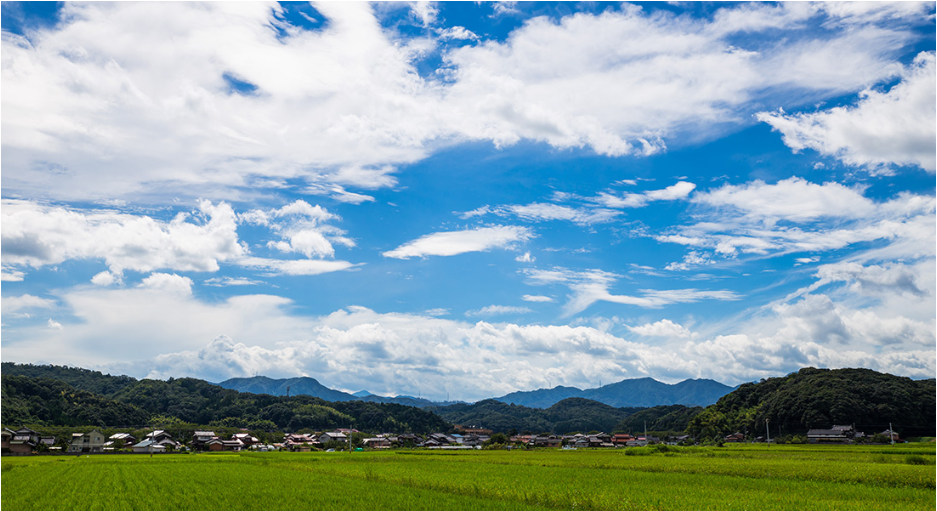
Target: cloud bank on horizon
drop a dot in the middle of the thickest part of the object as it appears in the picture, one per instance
(469, 198)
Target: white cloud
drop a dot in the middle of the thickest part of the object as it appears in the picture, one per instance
(872, 279)
(424, 12)
(536, 298)
(170, 284)
(460, 242)
(793, 199)
(539, 211)
(294, 267)
(662, 328)
(15, 304)
(883, 128)
(794, 215)
(481, 211)
(394, 353)
(674, 192)
(105, 278)
(525, 258)
(231, 281)
(458, 33)
(11, 275)
(498, 310)
(592, 286)
(35, 235)
(338, 193)
(85, 118)
(54, 325)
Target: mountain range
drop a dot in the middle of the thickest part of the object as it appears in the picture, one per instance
(638, 392)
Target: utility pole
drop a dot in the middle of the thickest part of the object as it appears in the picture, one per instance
(891, 434)
(287, 392)
(768, 429)
(645, 433)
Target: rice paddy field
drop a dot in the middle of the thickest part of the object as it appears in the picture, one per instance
(743, 477)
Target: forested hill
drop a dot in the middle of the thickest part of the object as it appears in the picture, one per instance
(820, 398)
(569, 415)
(81, 379)
(130, 402)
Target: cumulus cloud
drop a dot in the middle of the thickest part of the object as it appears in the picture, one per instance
(35, 235)
(460, 242)
(896, 127)
(106, 278)
(400, 353)
(662, 328)
(458, 33)
(525, 258)
(171, 284)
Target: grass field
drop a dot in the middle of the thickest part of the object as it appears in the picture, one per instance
(743, 477)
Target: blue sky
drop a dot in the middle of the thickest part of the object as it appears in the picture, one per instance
(469, 198)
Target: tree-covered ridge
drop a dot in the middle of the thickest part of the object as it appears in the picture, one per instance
(820, 398)
(44, 401)
(187, 400)
(572, 414)
(81, 379)
(673, 418)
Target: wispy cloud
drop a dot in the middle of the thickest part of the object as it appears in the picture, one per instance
(592, 286)
(498, 310)
(460, 242)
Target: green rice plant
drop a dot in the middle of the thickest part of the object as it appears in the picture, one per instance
(739, 478)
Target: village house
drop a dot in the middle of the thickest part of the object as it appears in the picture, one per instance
(148, 446)
(299, 443)
(164, 439)
(23, 441)
(125, 438)
(621, 439)
(245, 438)
(545, 441)
(735, 438)
(90, 442)
(332, 436)
(835, 435)
(200, 439)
